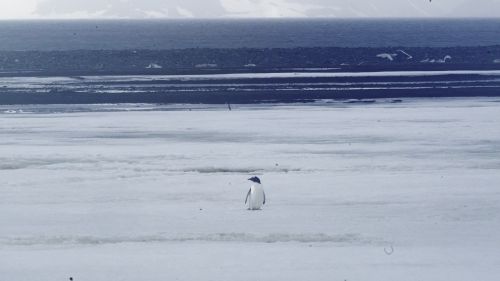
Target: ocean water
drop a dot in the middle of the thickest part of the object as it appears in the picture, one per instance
(178, 34)
(76, 53)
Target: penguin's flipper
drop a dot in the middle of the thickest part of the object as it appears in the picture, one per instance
(264, 198)
(248, 194)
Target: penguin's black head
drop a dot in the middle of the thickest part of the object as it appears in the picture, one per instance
(254, 179)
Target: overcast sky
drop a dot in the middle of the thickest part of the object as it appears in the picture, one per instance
(75, 9)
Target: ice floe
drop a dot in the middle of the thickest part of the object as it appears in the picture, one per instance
(387, 56)
(408, 56)
(445, 59)
(154, 66)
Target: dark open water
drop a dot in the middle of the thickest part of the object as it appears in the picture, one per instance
(178, 34)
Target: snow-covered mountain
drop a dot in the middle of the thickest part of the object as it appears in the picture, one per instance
(131, 8)
(266, 8)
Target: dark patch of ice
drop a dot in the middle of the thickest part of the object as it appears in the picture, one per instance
(348, 238)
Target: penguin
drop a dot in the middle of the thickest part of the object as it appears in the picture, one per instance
(255, 196)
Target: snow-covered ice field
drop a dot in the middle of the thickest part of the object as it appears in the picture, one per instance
(159, 195)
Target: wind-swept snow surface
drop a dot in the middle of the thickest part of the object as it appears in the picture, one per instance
(379, 191)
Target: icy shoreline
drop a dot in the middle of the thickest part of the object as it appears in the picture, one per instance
(248, 88)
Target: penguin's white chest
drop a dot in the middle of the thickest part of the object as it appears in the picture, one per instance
(256, 197)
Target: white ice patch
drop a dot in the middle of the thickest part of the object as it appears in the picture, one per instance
(387, 56)
(496, 61)
(154, 66)
(94, 194)
(230, 76)
(408, 56)
(445, 59)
